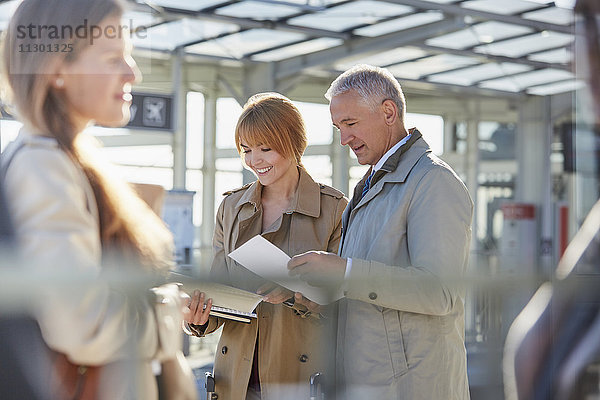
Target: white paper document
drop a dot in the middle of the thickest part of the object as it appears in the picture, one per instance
(267, 260)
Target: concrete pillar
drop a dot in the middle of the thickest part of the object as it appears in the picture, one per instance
(449, 126)
(208, 178)
(534, 180)
(472, 169)
(179, 120)
(587, 187)
(340, 164)
(257, 78)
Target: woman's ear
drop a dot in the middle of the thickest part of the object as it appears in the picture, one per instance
(390, 111)
(58, 75)
(57, 79)
(57, 82)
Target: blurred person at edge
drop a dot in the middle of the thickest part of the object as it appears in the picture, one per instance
(405, 245)
(274, 356)
(71, 215)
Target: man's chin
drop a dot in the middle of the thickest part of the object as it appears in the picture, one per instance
(362, 160)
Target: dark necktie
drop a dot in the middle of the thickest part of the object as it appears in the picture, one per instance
(367, 185)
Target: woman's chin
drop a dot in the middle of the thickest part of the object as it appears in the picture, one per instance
(116, 122)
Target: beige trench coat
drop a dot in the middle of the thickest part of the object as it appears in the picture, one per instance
(290, 347)
(401, 324)
(56, 221)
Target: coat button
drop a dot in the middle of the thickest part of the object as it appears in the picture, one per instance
(372, 295)
(303, 358)
(224, 350)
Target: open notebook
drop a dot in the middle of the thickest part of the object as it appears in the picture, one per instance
(228, 302)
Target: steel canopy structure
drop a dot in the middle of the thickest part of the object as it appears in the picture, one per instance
(485, 46)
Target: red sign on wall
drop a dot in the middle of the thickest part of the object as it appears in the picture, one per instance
(518, 211)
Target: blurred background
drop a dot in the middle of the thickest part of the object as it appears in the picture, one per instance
(496, 87)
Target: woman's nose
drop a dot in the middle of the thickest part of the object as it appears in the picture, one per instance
(131, 72)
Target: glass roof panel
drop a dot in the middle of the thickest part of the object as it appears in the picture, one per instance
(239, 44)
(554, 88)
(311, 3)
(558, 56)
(383, 59)
(565, 3)
(352, 14)
(541, 1)
(468, 76)
(528, 44)
(506, 7)
(170, 35)
(399, 24)
(485, 32)
(504, 84)
(136, 19)
(310, 46)
(430, 65)
(195, 5)
(554, 15)
(527, 79)
(258, 10)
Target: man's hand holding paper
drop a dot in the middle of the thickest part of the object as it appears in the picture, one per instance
(263, 258)
(318, 268)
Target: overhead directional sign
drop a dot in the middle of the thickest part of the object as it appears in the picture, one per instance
(151, 111)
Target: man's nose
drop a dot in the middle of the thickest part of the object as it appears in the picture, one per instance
(345, 138)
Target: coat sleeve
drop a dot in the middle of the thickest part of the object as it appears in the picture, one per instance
(59, 237)
(438, 235)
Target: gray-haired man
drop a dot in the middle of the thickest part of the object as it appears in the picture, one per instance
(405, 242)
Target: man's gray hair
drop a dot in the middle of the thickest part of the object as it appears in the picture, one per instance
(373, 84)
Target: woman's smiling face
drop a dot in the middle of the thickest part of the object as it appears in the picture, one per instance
(267, 164)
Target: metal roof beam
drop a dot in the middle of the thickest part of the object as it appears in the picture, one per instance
(446, 88)
(462, 11)
(295, 65)
(491, 58)
(172, 13)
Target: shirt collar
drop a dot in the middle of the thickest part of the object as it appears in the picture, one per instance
(391, 151)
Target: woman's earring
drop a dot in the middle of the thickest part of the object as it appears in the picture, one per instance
(60, 82)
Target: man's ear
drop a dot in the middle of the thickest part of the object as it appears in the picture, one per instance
(390, 111)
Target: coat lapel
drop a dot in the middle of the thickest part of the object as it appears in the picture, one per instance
(397, 167)
(394, 170)
(248, 206)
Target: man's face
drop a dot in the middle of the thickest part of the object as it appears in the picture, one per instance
(363, 129)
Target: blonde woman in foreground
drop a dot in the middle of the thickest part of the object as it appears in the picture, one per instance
(71, 217)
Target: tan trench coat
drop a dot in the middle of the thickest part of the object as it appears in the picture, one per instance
(290, 347)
